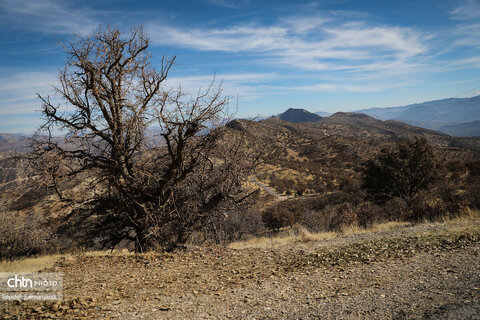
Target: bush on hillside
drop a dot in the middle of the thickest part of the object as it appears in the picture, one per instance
(23, 237)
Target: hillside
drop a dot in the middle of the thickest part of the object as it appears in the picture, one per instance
(316, 166)
(319, 156)
(465, 128)
(355, 136)
(437, 114)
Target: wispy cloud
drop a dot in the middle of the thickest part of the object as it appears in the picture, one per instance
(346, 86)
(309, 43)
(468, 35)
(469, 10)
(48, 16)
(233, 4)
(18, 92)
(247, 86)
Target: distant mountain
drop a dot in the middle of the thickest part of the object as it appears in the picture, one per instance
(438, 114)
(351, 119)
(13, 141)
(323, 114)
(299, 115)
(471, 129)
(384, 113)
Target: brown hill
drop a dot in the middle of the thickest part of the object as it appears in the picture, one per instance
(327, 155)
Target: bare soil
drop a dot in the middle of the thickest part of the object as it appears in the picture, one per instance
(429, 271)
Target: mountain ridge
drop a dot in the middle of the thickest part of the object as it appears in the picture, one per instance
(436, 114)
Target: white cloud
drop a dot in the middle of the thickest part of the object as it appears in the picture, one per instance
(18, 92)
(300, 25)
(49, 16)
(247, 85)
(347, 86)
(310, 43)
(467, 63)
(467, 35)
(469, 10)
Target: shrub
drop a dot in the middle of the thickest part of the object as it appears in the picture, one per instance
(402, 171)
(473, 196)
(233, 226)
(314, 221)
(395, 209)
(345, 216)
(426, 207)
(277, 217)
(22, 237)
(474, 168)
(472, 193)
(456, 168)
(455, 201)
(369, 213)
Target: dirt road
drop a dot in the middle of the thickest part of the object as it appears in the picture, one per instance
(271, 191)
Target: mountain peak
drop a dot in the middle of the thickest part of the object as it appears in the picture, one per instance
(299, 115)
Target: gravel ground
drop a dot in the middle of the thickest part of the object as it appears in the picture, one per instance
(429, 271)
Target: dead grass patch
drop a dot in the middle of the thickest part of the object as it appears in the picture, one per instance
(39, 263)
(273, 242)
(29, 264)
(301, 234)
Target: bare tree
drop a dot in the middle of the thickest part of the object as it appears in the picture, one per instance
(153, 185)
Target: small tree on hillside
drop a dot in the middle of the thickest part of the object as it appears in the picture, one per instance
(401, 171)
(153, 186)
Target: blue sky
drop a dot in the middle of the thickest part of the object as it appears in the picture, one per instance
(336, 55)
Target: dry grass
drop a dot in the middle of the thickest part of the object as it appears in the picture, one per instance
(287, 236)
(295, 155)
(272, 242)
(300, 234)
(392, 225)
(468, 215)
(34, 264)
(282, 173)
(29, 264)
(303, 235)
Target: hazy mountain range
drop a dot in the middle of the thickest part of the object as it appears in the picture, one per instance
(454, 116)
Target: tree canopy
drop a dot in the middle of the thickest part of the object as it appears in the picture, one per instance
(152, 162)
(401, 171)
